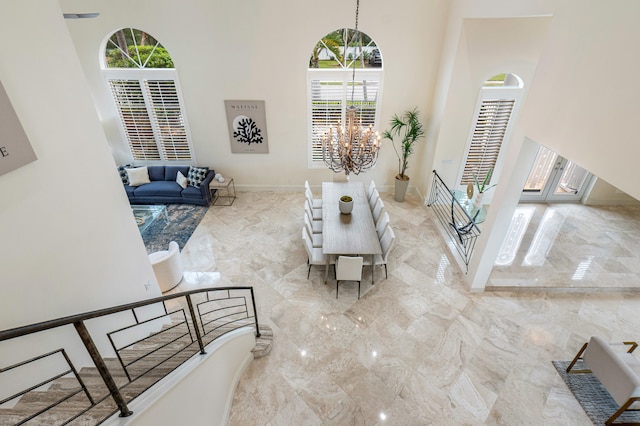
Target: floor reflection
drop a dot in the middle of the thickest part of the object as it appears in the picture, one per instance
(570, 245)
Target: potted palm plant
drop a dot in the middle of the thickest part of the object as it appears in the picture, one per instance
(408, 129)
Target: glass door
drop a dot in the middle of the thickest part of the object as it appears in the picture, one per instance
(554, 178)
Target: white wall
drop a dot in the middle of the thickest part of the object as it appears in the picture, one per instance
(251, 49)
(585, 97)
(70, 243)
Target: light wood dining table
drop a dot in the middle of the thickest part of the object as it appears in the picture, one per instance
(348, 234)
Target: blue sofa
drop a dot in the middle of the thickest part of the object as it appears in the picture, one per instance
(163, 187)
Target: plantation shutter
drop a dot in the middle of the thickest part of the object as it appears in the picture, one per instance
(152, 119)
(488, 134)
(171, 131)
(329, 99)
(132, 108)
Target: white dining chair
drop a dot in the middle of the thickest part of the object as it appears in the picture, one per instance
(348, 268)
(316, 257)
(375, 196)
(386, 243)
(316, 237)
(377, 211)
(315, 214)
(316, 225)
(382, 224)
(316, 203)
(372, 186)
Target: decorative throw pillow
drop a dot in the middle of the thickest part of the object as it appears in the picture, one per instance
(182, 181)
(123, 173)
(196, 175)
(138, 176)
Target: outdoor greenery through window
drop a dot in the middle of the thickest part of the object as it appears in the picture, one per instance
(332, 86)
(144, 85)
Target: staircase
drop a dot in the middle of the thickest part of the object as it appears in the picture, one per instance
(138, 368)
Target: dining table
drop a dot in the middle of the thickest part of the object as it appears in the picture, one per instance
(351, 234)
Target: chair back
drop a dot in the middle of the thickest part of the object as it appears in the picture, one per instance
(386, 242)
(307, 210)
(375, 196)
(309, 195)
(377, 211)
(308, 226)
(382, 224)
(349, 268)
(372, 186)
(308, 244)
(306, 185)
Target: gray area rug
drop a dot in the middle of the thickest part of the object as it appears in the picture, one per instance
(592, 396)
(183, 220)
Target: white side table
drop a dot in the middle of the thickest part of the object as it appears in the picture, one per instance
(229, 188)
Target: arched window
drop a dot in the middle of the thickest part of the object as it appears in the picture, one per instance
(332, 85)
(144, 84)
(496, 104)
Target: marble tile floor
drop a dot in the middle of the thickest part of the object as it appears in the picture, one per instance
(416, 349)
(570, 246)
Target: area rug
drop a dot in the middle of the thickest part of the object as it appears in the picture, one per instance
(592, 396)
(182, 221)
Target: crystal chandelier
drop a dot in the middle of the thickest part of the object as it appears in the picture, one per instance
(351, 148)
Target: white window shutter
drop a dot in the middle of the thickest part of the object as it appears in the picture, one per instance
(152, 117)
(167, 115)
(331, 95)
(488, 135)
(132, 108)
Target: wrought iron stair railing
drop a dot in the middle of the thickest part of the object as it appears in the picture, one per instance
(187, 322)
(460, 228)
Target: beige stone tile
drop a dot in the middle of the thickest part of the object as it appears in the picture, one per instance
(418, 348)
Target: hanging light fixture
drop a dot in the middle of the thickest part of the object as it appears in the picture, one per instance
(351, 148)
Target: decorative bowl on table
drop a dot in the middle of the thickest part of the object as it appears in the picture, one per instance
(345, 204)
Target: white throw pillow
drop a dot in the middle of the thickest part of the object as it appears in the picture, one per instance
(138, 176)
(182, 180)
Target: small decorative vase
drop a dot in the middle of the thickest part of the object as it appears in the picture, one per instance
(477, 201)
(345, 204)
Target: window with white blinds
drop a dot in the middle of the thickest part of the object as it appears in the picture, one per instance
(488, 134)
(152, 118)
(331, 94)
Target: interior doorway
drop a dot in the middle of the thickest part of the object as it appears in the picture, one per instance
(553, 178)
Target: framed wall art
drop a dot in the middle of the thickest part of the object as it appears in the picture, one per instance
(247, 127)
(15, 149)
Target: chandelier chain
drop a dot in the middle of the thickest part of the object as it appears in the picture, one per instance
(353, 72)
(351, 148)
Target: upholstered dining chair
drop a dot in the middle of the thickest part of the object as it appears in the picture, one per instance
(313, 213)
(316, 203)
(316, 225)
(316, 237)
(316, 214)
(314, 253)
(375, 196)
(348, 268)
(382, 224)
(386, 243)
(377, 211)
(372, 186)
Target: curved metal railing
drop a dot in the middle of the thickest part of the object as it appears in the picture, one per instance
(188, 321)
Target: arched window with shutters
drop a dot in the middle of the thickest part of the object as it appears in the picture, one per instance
(332, 86)
(497, 101)
(144, 84)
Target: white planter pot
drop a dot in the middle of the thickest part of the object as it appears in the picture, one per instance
(346, 207)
